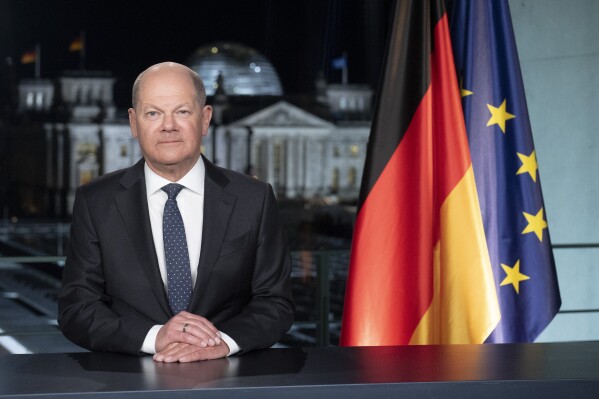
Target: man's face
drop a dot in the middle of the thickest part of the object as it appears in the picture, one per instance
(168, 122)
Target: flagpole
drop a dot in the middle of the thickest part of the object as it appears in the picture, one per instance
(82, 52)
(344, 69)
(38, 61)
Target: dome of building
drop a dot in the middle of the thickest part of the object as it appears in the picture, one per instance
(245, 71)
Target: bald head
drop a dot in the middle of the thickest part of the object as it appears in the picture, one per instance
(172, 67)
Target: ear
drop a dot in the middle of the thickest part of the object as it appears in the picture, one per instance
(206, 116)
(132, 122)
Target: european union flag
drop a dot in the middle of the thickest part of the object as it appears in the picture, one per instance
(505, 167)
(339, 62)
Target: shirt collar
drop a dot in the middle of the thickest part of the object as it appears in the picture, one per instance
(193, 180)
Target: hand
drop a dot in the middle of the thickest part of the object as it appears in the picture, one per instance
(181, 352)
(187, 328)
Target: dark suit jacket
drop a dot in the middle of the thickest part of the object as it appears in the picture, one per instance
(112, 292)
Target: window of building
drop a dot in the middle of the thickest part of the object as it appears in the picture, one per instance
(335, 181)
(29, 100)
(343, 103)
(352, 103)
(361, 103)
(39, 100)
(352, 177)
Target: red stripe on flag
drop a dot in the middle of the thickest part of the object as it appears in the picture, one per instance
(390, 286)
(451, 152)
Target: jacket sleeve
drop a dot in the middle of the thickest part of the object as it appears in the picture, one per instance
(269, 312)
(85, 311)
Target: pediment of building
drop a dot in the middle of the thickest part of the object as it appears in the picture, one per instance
(283, 113)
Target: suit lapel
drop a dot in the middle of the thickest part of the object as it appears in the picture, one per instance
(218, 206)
(132, 204)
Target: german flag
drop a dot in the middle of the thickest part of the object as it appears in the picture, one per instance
(419, 271)
(28, 57)
(76, 44)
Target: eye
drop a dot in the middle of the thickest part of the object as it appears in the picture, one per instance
(184, 112)
(152, 114)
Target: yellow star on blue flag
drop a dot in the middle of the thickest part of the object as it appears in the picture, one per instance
(499, 116)
(513, 276)
(536, 224)
(529, 165)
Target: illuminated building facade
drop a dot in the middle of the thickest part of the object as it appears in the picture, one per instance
(307, 147)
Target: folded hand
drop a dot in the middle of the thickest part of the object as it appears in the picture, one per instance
(188, 328)
(181, 352)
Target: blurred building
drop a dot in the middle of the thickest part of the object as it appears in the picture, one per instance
(61, 133)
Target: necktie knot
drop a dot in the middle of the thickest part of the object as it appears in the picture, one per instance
(172, 190)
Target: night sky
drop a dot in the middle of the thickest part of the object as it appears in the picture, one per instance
(299, 37)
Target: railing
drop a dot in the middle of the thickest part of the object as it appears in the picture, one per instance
(318, 281)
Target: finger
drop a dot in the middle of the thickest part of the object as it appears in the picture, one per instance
(165, 350)
(198, 321)
(192, 355)
(200, 331)
(199, 327)
(169, 335)
(183, 320)
(160, 355)
(170, 354)
(195, 354)
(183, 351)
(175, 353)
(199, 338)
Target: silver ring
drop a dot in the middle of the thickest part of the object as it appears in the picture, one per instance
(185, 327)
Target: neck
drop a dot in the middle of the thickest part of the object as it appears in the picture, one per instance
(172, 173)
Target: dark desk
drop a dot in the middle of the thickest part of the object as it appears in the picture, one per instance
(568, 370)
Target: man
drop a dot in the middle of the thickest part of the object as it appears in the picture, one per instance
(197, 273)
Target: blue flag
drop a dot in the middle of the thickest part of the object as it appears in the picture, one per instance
(505, 167)
(339, 62)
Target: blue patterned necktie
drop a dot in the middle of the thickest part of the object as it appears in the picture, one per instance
(176, 255)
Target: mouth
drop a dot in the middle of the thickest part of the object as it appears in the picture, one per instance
(169, 142)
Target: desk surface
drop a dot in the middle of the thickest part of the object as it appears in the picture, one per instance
(456, 371)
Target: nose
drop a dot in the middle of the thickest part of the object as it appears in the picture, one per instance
(168, 122)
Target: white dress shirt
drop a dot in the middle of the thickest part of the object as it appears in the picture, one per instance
(191, 205)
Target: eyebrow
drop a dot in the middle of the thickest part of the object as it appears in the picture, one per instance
(145, 105)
